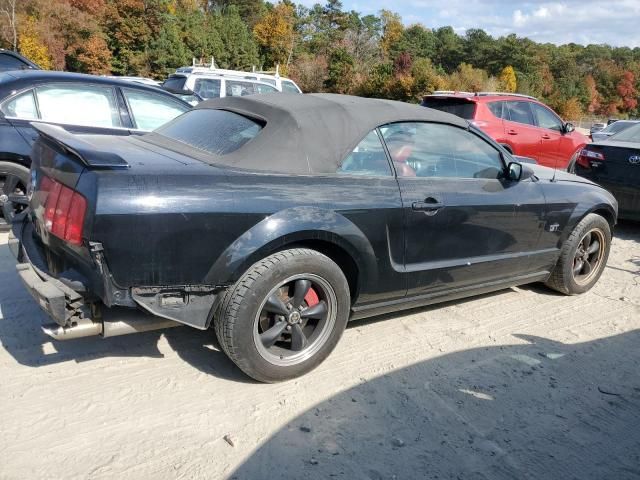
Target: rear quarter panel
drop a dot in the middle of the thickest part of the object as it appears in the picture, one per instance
(205, 226)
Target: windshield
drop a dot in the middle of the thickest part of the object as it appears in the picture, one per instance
(618, 127)
(175, 82)
(629, 134)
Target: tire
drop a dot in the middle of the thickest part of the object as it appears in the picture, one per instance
(564, 278)
(8, 210)
(249, 309)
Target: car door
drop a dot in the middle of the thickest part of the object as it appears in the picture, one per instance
(148, 110)
(15, 132)
(79, 108)
(520, 129)
(366, 192)
(551, 137)
(465, 224)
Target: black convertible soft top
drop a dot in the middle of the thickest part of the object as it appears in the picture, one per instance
(310, 133)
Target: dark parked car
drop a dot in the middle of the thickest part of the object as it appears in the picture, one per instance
(277, 218)
(615, 164)
(82, 104)
(10, 60)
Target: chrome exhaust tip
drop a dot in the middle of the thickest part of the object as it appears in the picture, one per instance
(109, 326)
(80, 330)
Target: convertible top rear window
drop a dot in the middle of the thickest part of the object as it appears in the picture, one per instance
(214, 131)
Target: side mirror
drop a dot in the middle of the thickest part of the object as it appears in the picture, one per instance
(515, 171)
(568, 127)
(518, 172)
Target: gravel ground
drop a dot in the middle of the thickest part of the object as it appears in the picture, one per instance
(521, 384)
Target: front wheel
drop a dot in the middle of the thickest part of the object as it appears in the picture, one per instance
(285, 315)
(583, 256)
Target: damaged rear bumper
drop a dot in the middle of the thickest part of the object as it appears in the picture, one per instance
(73, 317)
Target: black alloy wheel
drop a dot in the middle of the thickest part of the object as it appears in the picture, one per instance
(583, 256)
(588, 256)
(284, 315)
(13, 193)
(295, 319)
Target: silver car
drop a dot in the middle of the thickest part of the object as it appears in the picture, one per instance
(612, 129)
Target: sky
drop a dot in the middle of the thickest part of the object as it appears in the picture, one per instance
(615, 22)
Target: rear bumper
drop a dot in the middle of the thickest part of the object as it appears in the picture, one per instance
(63, 304)
(73, 317)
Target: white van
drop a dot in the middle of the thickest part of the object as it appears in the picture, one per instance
(210, 85)
(285, 85)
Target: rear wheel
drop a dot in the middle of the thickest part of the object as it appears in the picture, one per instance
(583, 257)
(285, 315)
(13, 192)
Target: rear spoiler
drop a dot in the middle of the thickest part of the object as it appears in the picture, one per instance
(75, 145)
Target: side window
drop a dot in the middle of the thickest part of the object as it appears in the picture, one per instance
(546, 118)
(22, 106)
(239, 89)
(87, 105)
(260, 88)
(150, 110)
(437, 150)
(519, 112)
(207, 87)
(368, 158)
(289, 87)
(496, 108)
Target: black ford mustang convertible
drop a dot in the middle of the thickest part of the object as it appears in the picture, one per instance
(276, 219)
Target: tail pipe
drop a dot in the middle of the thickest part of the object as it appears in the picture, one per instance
(111, 327)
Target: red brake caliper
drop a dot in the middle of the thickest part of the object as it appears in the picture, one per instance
(311, 298)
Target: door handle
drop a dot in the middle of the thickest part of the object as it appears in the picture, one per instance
(431, 206)
(546, 137)
(512, 132)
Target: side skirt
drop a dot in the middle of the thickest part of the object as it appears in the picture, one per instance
(382, 308)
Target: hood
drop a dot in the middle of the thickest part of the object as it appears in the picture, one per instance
(546, 173)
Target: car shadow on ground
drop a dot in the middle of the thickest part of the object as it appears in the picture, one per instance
(537, 410)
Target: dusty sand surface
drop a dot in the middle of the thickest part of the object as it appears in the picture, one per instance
(520, 384)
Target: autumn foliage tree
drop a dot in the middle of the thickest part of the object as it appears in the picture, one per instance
(31, 46)
(322, 46)
(627, 91)
(275, 32)
(508, 79)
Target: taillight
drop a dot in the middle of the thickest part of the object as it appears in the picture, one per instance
(586, 156)
(64, 211)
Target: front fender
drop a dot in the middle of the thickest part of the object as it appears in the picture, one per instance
(605, 207)
(288, 227)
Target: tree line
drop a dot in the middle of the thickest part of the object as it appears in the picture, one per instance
(323, 48)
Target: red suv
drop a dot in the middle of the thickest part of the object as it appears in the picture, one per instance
(522, 124)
